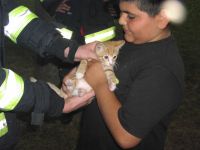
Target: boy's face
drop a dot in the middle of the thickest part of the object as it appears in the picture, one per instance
(138, 26)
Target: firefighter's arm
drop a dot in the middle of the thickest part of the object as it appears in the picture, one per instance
(25, 28)
(20, 95)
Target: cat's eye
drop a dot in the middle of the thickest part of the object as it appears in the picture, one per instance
(105, 57)
(114, 57)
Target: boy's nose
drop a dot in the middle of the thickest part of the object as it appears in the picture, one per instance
(122, 19)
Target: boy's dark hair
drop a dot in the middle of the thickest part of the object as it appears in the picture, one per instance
(151, 7)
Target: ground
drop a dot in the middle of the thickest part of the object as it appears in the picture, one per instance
(184, 131)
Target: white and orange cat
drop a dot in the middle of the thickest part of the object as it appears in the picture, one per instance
(107, 53)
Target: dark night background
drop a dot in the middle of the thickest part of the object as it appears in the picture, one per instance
(184, 131)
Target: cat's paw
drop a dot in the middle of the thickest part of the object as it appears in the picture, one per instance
(112, 82)
(112, 85)
(81, 92)
(69, 84)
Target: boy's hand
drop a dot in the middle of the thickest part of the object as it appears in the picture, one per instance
(95, 75)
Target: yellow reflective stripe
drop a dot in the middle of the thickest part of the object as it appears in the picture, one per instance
(3, 125)
(11, 91)
(66, 33)
(18, 19)
(101, 36)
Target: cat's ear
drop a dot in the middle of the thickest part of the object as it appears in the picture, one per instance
(99, 47)
(119, 43)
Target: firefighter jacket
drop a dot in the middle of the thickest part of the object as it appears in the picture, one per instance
(87, 17)
(45, 38)
(18, 94)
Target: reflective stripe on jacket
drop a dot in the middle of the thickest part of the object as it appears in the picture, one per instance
(103, 35)
(11, 91)
(18, 19)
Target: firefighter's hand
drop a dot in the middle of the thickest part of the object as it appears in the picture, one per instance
(86, 51)
(75, 102)
(63, 7)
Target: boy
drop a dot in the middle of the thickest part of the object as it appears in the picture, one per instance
(151, 75)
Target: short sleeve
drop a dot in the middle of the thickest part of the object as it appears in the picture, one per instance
(154, 94)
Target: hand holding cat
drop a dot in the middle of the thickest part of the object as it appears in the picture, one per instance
(86, 51)
(74, 102)
(95, 75)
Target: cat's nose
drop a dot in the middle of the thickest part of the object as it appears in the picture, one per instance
(111, 63)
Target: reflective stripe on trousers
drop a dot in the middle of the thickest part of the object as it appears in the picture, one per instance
(3, 125)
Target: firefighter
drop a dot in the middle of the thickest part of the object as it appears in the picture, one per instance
(20, 95)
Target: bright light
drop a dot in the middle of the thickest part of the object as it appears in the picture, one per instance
(175, 11)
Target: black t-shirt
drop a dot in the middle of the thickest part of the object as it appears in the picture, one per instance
(151, 84)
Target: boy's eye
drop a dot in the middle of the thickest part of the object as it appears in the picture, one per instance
(131, 17)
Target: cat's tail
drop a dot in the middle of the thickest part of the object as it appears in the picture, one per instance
(58, 91)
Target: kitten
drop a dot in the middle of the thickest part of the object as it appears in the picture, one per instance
(107, 53)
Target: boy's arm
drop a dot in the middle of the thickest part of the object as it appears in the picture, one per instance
(109, 106)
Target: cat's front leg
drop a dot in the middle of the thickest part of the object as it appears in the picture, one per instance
(81, 69)
(112, 79)
(112, 82)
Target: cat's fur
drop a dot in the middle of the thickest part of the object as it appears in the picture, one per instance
(107, 53)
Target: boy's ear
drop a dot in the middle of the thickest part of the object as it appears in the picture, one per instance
(162, 20)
